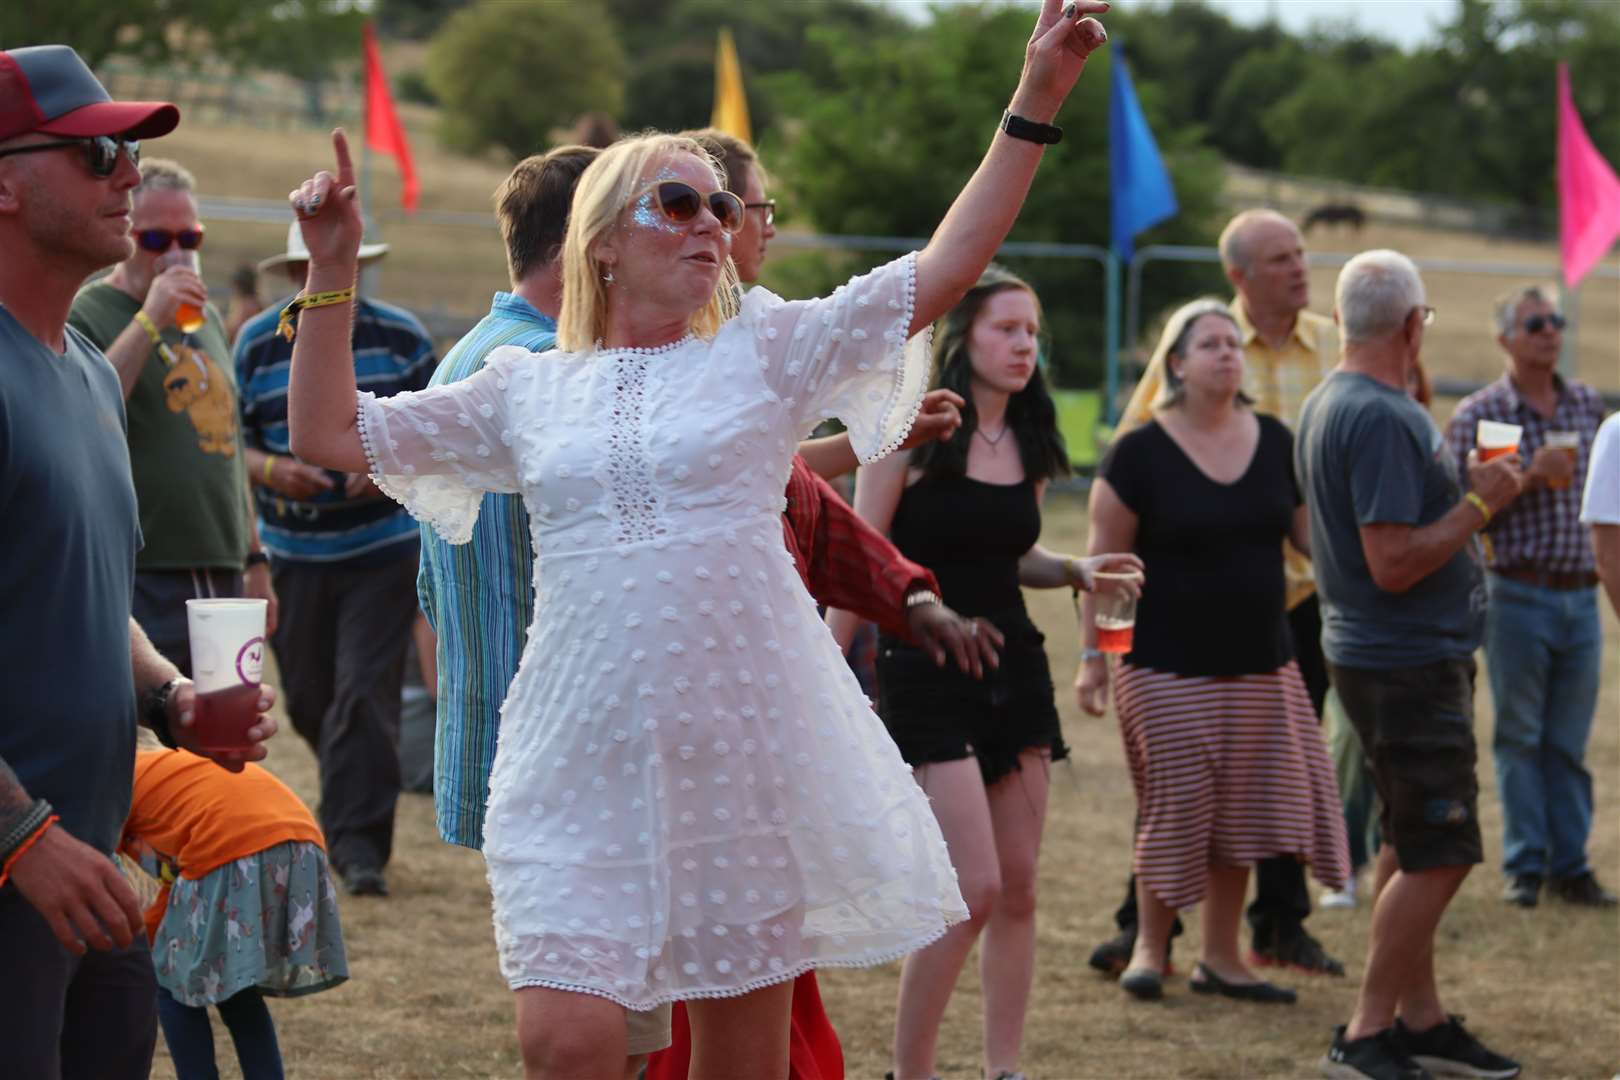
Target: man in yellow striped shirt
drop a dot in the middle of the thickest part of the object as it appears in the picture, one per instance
(1287, 350)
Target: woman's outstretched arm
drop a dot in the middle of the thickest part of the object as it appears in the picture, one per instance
(982, 215)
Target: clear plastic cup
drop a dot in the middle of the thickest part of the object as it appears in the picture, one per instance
(1570, 443)
(1495, 439)
(188, 317)
(227, 665)
(1114, 596)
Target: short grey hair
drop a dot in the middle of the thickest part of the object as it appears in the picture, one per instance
(1236, 251)
(1507, 306)
(162, 174)
(1375, 294)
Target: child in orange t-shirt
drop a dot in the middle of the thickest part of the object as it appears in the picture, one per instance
(247, 906)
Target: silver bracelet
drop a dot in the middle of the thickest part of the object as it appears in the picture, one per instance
(1092, 654)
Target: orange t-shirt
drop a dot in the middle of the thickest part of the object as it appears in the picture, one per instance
(201, 817)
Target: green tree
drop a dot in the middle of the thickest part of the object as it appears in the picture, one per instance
(508, 74)
(887, 152)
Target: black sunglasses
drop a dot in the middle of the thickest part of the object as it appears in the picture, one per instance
(1535, 324)
(681, 203)
(769, 206)
(100, 152)
(157, 241)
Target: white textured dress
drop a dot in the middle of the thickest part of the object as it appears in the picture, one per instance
(691, 797)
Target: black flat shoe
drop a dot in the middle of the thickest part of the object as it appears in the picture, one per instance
(1144, 984)
(1205, 981)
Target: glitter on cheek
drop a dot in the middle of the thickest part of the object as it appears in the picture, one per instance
(646, 212)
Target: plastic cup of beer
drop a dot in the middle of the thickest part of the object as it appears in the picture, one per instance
(227, 664)
(188, 317)
(1570, 443)
(1114, 597)
(1495, 439)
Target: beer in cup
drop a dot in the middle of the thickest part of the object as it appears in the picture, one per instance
(1495, 439)
(188, 317)
(1570, 443)
(1114, 594)
(227, 662)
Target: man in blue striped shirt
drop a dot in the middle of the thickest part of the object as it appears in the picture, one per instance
(479, 596)
(343, 557)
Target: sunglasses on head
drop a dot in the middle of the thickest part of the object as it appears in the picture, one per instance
(100, 152)
(1535, 324)
(681, 203)
(157, 241)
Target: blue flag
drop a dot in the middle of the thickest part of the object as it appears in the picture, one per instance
(1141, 194)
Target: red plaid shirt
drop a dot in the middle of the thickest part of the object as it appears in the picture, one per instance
(845, 563)
(1541, 529)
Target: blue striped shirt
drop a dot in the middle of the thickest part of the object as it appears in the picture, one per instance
(392, 352)
(479, 597)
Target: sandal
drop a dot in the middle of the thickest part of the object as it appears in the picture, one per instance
(1205, 981)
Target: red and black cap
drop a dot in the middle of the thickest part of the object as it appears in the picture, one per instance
(48, 89)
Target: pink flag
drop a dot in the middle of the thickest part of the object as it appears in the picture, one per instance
(1588, 191)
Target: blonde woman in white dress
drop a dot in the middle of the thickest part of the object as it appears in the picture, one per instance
(691, 798)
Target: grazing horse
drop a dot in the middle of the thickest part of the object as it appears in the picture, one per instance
(1336, 213)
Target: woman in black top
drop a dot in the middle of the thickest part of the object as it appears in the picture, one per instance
(969, 510)
(1223, 745)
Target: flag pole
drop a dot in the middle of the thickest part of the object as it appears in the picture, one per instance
(1111, 346)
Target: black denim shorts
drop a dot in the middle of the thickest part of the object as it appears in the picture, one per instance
(1417, 726)
(942, 714)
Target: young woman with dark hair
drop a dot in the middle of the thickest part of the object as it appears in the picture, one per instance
(969, 509)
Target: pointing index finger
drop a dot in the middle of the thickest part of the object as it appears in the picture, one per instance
(345, 164)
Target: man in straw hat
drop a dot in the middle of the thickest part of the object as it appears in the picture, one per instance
(78, 998)
(343, 559)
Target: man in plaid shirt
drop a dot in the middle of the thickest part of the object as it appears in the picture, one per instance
(1543, 639)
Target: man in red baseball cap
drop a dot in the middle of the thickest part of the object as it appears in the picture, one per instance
(77, 995)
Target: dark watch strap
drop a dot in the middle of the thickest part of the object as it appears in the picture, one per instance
(155, 711)
(1029, 130)
(255, 558)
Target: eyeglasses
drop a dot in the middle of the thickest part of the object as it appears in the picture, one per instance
(157, 241)
(681, 203)
(1535, 324)
(100, 152)
(1428, 314)
(769, 206)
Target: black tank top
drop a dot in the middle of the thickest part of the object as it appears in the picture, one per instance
(971, 535)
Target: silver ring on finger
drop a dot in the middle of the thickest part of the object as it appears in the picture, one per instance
(973, 629)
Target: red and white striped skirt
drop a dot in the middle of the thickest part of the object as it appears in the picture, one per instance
(1228, 770)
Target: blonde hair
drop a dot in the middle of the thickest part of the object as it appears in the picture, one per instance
(604, 190)
(1173, 342)
(164, 174)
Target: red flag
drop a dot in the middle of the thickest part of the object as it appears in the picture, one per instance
(384, 133)
(1588, 191)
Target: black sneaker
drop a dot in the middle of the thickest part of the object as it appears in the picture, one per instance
(364, 881)
(1523, 890)
(1297, 950)
(1449, 1050)
(1582, 889)
(1376, 1057)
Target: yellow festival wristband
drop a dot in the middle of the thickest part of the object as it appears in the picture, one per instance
(269, 467)
(1479, 504)
(286, 326)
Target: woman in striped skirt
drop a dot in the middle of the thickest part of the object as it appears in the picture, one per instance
(1225, 755)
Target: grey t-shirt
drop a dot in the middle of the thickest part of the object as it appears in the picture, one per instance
(68, 535)
(1368, 454)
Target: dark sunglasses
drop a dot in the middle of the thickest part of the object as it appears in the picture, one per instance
(681, 203)
(157, 241)
(1535, 324)
(100, 152)
(769, 206)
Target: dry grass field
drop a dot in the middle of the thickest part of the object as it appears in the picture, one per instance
(426, 999)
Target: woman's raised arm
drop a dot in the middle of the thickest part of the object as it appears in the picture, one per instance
(982, 215)
(321, 423)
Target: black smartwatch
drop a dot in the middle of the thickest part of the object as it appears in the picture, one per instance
(1029, 130)
(256, 558)
(155, 710)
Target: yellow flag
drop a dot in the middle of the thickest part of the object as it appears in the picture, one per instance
(730, 104)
